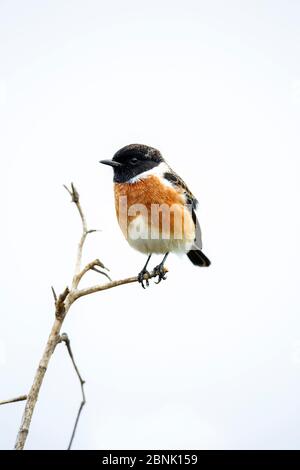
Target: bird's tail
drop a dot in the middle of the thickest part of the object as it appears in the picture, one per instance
(198, 258)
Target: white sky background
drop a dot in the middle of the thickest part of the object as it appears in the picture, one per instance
(209, 358)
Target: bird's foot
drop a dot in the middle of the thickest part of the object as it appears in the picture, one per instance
(160, 271)
(141, 278)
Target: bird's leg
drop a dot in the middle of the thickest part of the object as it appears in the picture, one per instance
(143, 272)
(159, 270)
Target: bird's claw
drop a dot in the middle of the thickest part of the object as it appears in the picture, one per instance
(160, 272)
(141, 278)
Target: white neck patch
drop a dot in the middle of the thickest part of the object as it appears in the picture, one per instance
(158, 171)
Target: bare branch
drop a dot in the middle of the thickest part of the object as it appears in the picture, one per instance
(63, 303)
(129, 280)
(64, 337)
(13, 400)
(37, 382)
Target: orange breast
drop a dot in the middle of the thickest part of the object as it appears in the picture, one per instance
(142, 196)
(147, 191)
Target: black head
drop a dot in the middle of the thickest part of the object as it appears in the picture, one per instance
(132, 160)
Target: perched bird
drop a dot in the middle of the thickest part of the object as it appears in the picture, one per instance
(155, 208)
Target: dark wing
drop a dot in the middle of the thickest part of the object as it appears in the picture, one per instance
(192, 202)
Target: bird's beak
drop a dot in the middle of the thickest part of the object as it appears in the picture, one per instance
(112, 163)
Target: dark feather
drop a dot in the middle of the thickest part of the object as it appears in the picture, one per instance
(179, 183)
(191, 201)
(198, 258)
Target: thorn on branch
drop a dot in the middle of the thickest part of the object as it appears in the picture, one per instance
(93, 230)
(99, 263)
(54, 294)
(59, 304)
(73, 193)
(13, 400)
(66, 187)
(101, 272)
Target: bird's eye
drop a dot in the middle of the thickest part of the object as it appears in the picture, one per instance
(133, 160)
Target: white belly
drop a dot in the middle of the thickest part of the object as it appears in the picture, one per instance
(141, 238)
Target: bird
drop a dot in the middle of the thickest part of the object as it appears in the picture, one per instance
(155, 208)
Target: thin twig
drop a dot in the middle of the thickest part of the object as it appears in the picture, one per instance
(75, 198)
(70, 192)
(93, 231)
(87, 268)
(64, 337)
(54, 294)
(13, 400)
(102, 272)
(78, 274)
